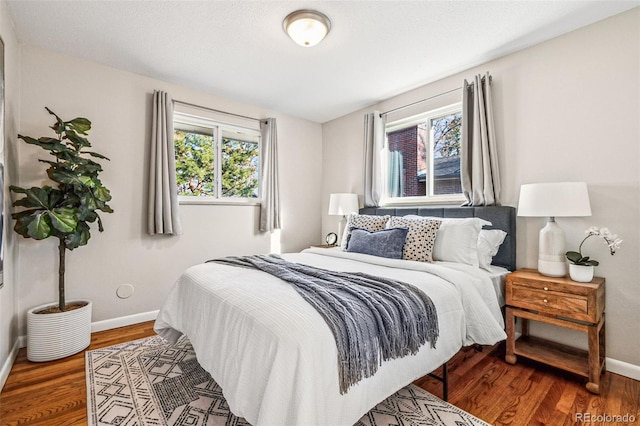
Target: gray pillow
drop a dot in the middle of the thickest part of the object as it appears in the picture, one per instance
(384, 243)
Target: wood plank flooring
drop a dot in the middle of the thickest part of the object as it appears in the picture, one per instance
(54, 393)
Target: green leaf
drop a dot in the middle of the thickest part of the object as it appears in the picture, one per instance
(22, 223)
(63, 219)
(56, 198)
(77, 141)
(105, 208)
(102, 193)
(95, 154)
(17, 189)
(573, 256)
(78, 238)
(87, 181)
(50, 144)
(80, 125)
(58, 127)
(88, 201)
(70, 178)
(39, 228)
(35, 197)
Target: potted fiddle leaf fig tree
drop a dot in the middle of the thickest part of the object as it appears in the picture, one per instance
(63, 210)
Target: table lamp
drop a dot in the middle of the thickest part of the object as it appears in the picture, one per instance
(558, 199)
(343, 204)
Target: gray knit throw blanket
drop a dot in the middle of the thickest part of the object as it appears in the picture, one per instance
(372, 319)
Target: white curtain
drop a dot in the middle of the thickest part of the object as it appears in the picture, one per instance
(396, 174)
(163, 193)
(479, 159)
(373, 146)
(270, 194)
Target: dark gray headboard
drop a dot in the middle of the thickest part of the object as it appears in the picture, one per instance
(501, 217)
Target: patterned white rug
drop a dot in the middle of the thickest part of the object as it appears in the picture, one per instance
(149, 382)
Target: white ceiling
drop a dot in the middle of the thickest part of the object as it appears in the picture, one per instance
(238, 49)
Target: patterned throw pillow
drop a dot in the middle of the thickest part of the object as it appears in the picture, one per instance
(420, 239)
(371, 223)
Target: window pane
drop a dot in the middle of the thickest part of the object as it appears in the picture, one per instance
(407, 162)
(446, 154)
(239, 168)
(424, 155)
(195, 156)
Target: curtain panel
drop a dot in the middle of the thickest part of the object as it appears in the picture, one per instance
(163, 215)
(373, 148)
(270, 192)
(479, 160)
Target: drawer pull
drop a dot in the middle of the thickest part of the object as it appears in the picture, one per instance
(545, 301)
(546, 288)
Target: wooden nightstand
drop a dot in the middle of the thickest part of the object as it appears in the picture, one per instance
(563, 303)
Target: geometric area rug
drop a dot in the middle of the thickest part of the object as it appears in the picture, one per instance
(151, 382)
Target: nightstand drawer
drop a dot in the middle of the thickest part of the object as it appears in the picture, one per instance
(549, 302)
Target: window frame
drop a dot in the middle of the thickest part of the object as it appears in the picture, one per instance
(404, 123)
(218, 127)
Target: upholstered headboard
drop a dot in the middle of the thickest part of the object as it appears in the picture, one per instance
(501, 217)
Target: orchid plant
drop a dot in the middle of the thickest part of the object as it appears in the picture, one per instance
(611, 240)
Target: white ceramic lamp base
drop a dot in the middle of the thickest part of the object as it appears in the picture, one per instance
(551, 250)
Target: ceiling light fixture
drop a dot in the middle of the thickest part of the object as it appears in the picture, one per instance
(306, 27)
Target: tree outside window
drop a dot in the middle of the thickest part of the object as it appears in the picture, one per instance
(207, 169)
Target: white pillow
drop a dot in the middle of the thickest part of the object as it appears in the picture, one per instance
(489, 241)
(456, 239)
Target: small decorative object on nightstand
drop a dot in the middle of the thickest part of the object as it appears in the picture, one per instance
(581, 266)
(563, 303)
(331, 239)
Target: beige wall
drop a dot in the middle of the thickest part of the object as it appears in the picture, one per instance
(8, 294)
(118, 104)
(566, 110)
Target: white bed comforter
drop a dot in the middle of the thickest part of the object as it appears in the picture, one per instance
(276, 359)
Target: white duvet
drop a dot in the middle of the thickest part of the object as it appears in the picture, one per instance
(276, 359)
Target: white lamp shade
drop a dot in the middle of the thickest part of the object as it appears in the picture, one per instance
(558, 199)
(343, 204)
(307, 27)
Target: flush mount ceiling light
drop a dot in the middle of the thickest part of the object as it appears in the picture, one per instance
(306, 27)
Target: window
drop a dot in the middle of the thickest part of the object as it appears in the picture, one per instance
(215, 161)
(423, 157)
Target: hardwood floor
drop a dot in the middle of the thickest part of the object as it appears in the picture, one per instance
(482, 383)
(54, 393)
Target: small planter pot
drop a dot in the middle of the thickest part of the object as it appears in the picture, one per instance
(581, 273)
(58, 335)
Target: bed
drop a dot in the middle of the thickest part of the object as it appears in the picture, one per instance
(273, 354)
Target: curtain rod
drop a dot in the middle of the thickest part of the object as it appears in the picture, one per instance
(217, 110)
(427, 99)
(420, 101)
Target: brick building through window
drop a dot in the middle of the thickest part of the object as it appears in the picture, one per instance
(408, 147)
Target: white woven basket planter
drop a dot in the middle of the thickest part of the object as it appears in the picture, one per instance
(58, 335)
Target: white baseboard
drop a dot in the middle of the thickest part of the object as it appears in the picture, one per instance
(623, 368)
(6, 367)
(123, 321)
